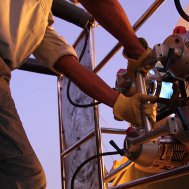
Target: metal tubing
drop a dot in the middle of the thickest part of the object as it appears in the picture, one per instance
(136, 26)
(113, 173)
(78, 143)
(107, 58)
(141, 87)
(71, 13)
(113, 131)
(101, 167)
(177, 172)
(61, 132)
(99, 151)
(32, 65)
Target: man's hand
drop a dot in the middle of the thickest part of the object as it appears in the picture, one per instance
(130, 108)
(144, 63)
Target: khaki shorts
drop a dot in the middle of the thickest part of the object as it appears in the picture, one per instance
(19, 166)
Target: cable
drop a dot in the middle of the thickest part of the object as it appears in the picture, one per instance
(180, 10)
(75, 104)
(69, 81)
(85, 43)
(88, 160)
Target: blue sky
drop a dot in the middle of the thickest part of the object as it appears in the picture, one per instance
(36, 95)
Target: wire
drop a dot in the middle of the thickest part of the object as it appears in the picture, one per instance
(78, 105)
(88, 160)
(180, 10)
(69, 81)
(86, 30)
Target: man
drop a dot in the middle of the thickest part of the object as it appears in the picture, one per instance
(26, 27)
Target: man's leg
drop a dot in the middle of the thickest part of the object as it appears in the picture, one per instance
(19, 166)
(24, 172)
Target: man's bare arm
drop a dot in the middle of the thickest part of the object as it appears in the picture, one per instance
(86, 80)
(110, 14)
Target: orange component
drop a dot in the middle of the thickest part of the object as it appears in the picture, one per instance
(179, 30)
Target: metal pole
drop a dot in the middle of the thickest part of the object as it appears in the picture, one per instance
(99, 149)
(113, 173)
(32, 65)
(177, 172)
(141, 87)
(61, 131)
(136, 26)
(113, 131)
(71, 13)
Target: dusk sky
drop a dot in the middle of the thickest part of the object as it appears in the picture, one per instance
(36, 94)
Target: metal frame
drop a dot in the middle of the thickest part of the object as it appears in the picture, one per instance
(99, 131)
(94, 133)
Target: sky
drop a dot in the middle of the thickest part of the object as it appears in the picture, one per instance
(35, 94)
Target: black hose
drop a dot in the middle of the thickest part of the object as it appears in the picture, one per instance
(88, 160)
(74, 103)
(180, 10)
